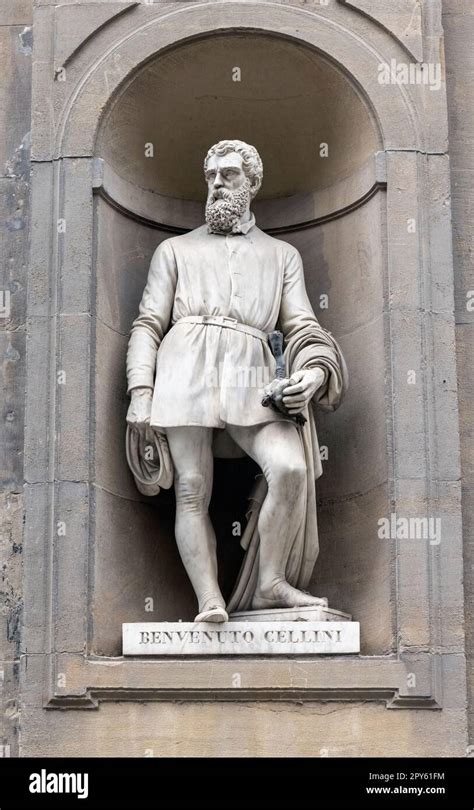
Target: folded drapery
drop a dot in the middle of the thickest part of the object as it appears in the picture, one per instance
(304, 350)
(149, 459)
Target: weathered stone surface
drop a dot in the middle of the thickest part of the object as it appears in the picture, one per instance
(111, 469)
(74, 24)
(11, 562)
(38, 498)
(12, 354)
(349, 542)
(75, 240)
(41, 286)
(458, 23)
(71, 529)
(73, 390)
(345, 436)
(15, 99)
(18, 13)
(402, 18)
(14, 213)
(279, 729)
(38, 408)
(124, 251)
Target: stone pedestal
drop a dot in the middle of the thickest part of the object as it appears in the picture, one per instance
(239, 637)
(301, 614)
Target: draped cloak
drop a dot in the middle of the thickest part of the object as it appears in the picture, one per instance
(258, 281)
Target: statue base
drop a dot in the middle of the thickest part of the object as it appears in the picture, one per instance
(291, 631)
(297, 614)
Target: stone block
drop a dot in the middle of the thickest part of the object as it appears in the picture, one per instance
(18, 13)
(403, 18)
(241, 638)
(72, 392)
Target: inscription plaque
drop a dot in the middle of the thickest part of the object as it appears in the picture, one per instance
(248, 638)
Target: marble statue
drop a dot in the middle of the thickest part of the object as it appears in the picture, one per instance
(200, 363)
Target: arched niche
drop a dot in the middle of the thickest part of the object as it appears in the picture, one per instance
(290, 101)
(293, 104)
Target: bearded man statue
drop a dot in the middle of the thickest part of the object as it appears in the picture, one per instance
(212, 297)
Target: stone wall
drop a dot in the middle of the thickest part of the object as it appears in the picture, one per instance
(458, 24)
(16, 40)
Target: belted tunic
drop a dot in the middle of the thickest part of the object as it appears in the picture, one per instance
(200, 339)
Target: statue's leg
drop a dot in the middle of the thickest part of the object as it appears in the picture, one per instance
(276, 448)
(191, 452)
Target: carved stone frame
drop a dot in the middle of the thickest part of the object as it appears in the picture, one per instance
(423, 428)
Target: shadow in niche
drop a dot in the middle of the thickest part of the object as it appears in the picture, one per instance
(233, 480)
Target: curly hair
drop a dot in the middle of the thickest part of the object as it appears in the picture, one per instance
(251, 160)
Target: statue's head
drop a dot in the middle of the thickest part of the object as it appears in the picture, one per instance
(233, 172)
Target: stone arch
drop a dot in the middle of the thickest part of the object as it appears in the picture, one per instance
(396, 113)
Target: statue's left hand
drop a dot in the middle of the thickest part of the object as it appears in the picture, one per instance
(302, 387)
(139, 411)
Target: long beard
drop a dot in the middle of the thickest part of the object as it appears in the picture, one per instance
(224, 208)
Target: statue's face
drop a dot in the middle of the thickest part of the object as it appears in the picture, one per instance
(225, 172)
(229, 192)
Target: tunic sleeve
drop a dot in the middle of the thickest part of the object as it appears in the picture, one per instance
(149, 328)
(307, 344)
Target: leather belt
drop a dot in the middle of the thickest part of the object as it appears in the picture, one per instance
(226, 322)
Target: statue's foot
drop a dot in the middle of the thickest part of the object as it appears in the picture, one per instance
(282, 595)
(215, 614)
(212, 611)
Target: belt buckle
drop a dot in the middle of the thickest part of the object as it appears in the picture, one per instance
(228, 319)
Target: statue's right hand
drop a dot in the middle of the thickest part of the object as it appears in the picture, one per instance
(139, 411)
